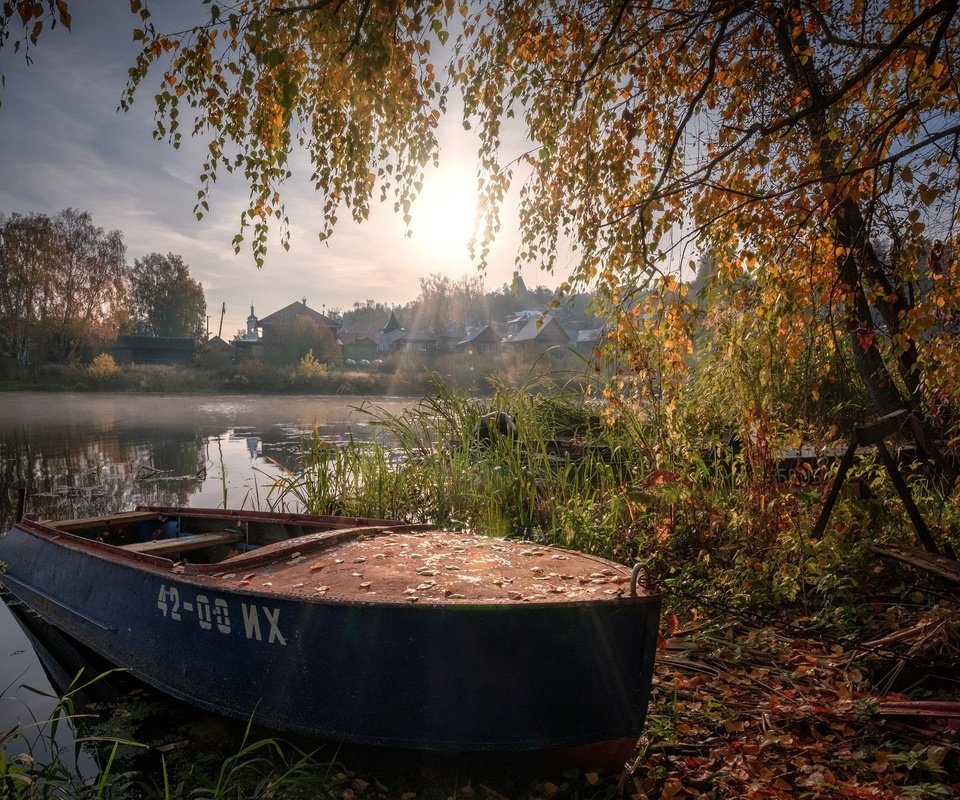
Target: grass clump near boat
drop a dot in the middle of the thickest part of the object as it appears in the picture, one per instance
(87, 753)
(42, 758)
(445, 461)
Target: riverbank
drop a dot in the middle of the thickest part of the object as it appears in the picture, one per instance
(397, 376)
(177, 379)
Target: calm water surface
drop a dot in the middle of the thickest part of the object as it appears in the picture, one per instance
(90, 454)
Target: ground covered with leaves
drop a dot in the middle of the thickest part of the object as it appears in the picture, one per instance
(782, 711)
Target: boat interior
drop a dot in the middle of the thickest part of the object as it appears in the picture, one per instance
(209, 536)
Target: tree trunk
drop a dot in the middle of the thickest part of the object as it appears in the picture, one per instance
(860, 323)
(860, 262)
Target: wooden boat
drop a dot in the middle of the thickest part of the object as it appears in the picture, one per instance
(361, 630)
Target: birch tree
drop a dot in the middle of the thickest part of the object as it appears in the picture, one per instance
(810, 146)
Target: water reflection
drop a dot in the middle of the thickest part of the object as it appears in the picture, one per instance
(73, 471)
(85, 455)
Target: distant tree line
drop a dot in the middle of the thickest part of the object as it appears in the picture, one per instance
(66, 287)
(447, 304)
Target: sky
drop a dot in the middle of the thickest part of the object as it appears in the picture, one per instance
(63, 143)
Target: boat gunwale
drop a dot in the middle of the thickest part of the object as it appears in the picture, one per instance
(208, 573)
(282, 517)
(267, 554)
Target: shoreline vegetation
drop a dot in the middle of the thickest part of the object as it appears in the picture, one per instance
(395, 376)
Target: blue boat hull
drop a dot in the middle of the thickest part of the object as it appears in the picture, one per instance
(460, 677)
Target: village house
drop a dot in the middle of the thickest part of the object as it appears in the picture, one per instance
(588, 340)
(392, 331)
(415, 342)
(485, 341)
(356, 347)
(273, 324)
(512, 326)
(137, 349)
(219, 347)
(540, 334)
(272, 330)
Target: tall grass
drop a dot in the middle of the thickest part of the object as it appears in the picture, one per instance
(48, 763)
(47, 766)
(557, 477)
(708, 518)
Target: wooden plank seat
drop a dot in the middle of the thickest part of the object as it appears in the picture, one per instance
(180, 544)
(121, 518)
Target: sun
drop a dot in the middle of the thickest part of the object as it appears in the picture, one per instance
(443, 214)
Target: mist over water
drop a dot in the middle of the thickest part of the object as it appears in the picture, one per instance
(88, 454)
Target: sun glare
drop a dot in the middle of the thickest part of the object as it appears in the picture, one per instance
(443, 213)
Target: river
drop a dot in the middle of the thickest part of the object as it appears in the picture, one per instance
(90, 454)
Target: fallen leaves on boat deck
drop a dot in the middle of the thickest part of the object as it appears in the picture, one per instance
(434, 566)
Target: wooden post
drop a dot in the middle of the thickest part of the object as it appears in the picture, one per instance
(923, 532)
(875, 434)
(845, 463)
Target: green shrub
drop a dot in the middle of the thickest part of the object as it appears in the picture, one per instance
(103, 368)
(250, 373)
(308, 371)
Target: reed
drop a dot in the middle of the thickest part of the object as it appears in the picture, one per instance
(271, 767)
(555, 475)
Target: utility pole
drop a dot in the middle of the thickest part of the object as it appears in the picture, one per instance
(223, 311)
